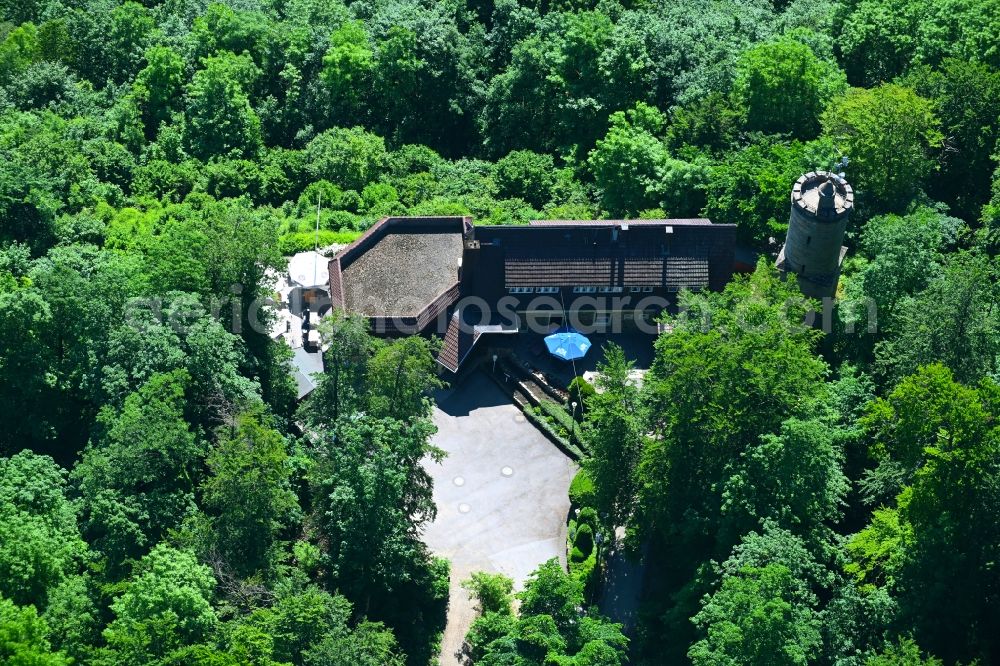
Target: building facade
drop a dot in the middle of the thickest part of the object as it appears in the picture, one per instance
(446, 276)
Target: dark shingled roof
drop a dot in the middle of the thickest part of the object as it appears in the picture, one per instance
(399, 267)
(612, 271)
(618, 223)
(403, 273)
(458, 342)
(465, 329)
(604, 254)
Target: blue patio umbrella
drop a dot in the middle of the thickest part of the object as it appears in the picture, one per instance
(567, 344)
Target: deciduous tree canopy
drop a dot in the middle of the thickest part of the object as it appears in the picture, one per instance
(795, 494)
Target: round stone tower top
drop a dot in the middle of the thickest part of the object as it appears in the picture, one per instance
(824, 195)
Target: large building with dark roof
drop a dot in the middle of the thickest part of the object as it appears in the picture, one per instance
(444, 275)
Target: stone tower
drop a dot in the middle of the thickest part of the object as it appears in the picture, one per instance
(813, 250)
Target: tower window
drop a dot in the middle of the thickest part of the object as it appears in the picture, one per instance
(808, 239)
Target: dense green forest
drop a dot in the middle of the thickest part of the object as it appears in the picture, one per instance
(798, 496)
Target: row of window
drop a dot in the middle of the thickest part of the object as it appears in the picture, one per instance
(534, 290)
(579, 290)
(610, 290)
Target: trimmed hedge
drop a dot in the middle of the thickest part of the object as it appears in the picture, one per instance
(543, 424)
(581, 491)
(562, 421)
(582, 556)
(584, 540)
(588, 516)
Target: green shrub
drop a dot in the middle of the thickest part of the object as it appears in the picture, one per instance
(584, 541)
(440, 206)
(508, 211)
(588, 516)
(329, 196)
(377, 193)
(232, 178)
(537, 419)
(339, 220)
(385, 209)
(581, 564)
(301, 241)
(569, 211)
(581, 490)
(526, 175)
(491, 591)
(583, 567)
(580, 390)
(557, 415)
(487, 628)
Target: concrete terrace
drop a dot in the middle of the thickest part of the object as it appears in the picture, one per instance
(501, 494)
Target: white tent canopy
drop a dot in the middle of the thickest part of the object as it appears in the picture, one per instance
(309, 270)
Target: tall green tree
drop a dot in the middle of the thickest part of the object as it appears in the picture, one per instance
(879, 41)
(947, 591)
(906, 653)
(783, 87)
(889, 134)
(765, 608)
(966, 95)
(18, 51)
(340, 390)
(164, 607)
(735, 367)
(954, 321)
(348, 66)
(220, 120)
(137, 478)
(310, 627)
(904, 254)
(614, 436)
(902, 426)
(401, 376)
(40, 544)
(944, 441)
(551, 625)
(371, 497)
(348, 158)
(248, 490)
(159, 87)
(25, 318)
(750, 187)
(989, 234)
(23, 640)
(634, 172)
(793, 478)
(527, 175)
(758, 616)
(178, 334)
(429, 65)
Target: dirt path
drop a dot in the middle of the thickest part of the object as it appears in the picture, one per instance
(623, 589)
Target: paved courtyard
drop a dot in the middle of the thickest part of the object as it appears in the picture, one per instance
(501, 495)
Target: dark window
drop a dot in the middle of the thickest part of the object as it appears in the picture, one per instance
(808, 239)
